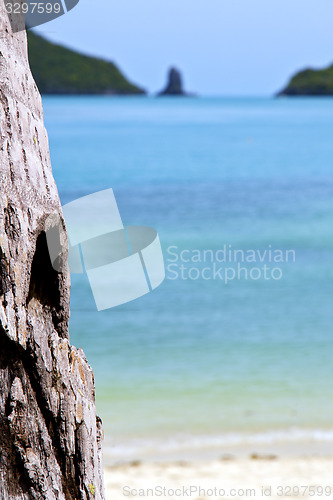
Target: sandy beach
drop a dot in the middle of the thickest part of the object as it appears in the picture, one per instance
(254, 477)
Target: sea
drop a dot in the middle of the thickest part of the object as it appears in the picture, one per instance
(232, 353)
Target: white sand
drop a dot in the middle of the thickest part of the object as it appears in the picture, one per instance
(234, 474)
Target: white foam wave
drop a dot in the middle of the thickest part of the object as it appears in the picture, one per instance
(129, 449)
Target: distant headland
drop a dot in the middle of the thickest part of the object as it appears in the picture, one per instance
(310, 82)
(58, 70)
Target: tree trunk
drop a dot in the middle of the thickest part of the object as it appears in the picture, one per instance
(50, 438)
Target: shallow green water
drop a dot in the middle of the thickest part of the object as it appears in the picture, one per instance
(199, 362)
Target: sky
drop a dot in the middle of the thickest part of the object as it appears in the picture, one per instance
(222, 47)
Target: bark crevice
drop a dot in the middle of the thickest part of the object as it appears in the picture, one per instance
(44, 285)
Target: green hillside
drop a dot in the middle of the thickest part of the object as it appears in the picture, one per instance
(58, 70)
(310, 82)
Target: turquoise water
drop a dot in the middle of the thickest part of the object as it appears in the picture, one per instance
(201, 363)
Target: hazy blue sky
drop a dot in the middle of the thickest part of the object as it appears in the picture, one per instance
(223, 47)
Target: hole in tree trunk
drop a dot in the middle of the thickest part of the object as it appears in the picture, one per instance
(44, 280)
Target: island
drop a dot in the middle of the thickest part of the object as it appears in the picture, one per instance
(310, 82)
(174, 86)
(59, 70)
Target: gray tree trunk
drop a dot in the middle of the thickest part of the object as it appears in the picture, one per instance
(50, 437)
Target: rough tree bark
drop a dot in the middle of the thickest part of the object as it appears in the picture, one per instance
(50, 438)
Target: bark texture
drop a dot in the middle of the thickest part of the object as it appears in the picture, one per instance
(50, 437)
